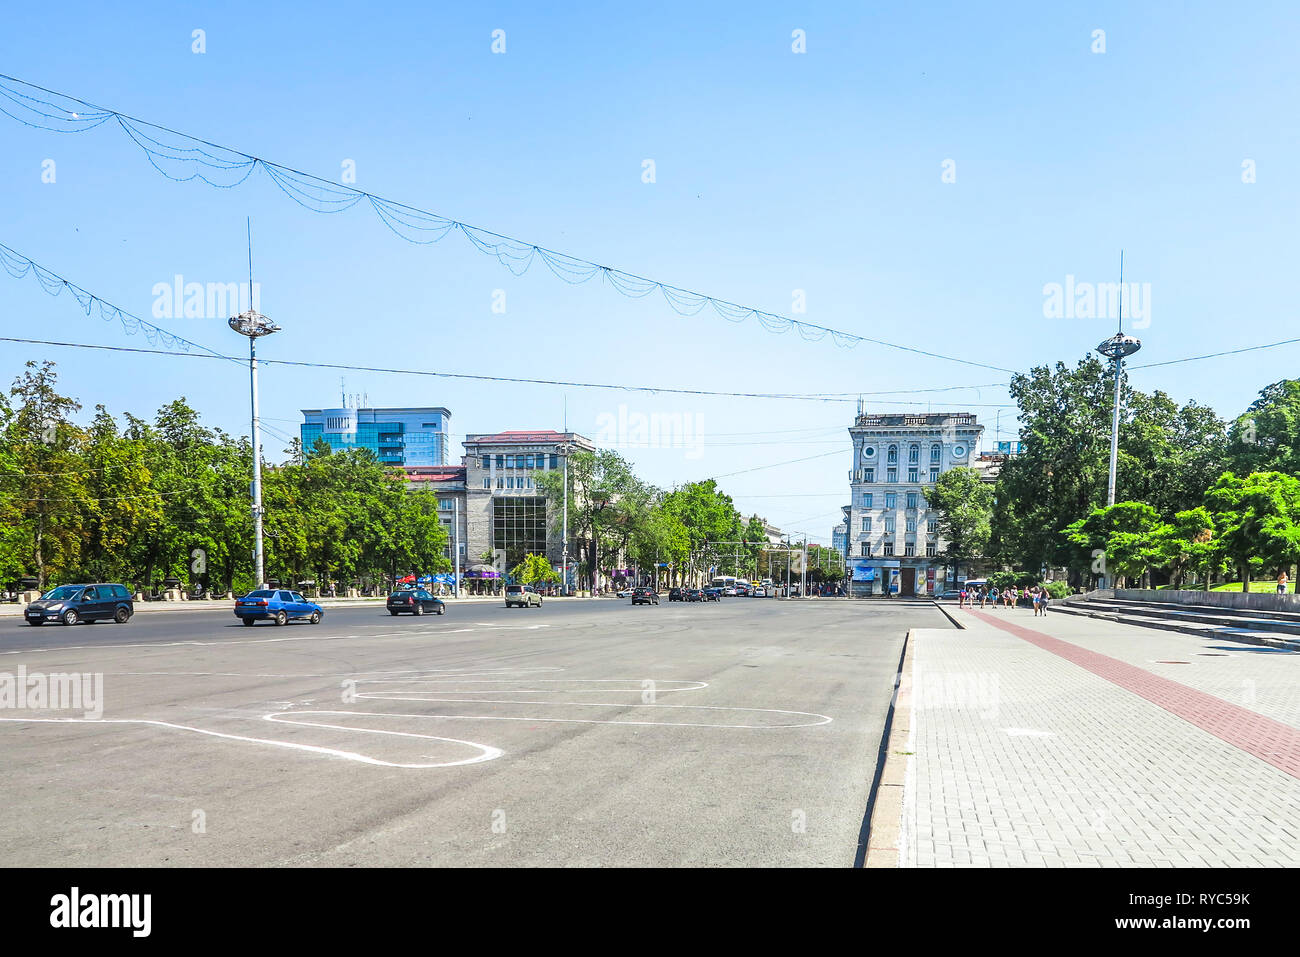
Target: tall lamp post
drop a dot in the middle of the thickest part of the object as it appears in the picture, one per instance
(254, 325)
(1116, 348)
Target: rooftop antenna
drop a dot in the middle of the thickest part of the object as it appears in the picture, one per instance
(343, 391)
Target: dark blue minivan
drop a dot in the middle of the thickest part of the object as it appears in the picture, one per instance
(71, 604)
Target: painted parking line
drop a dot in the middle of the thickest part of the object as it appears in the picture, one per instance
(1271, 741)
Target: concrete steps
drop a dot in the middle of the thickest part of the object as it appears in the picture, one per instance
(1271, 629)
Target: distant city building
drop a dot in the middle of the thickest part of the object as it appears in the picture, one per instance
(401, 437)
(495, 492)
(840, 538)
(893, 543)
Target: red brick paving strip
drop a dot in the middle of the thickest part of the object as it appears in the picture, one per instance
(1271, 741)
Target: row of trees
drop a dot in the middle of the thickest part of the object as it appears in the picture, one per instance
(690, 529)
(1203, 498)
(140, 502)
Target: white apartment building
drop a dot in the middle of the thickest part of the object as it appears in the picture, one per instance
(893, 538)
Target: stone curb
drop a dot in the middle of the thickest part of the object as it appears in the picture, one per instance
(885, 830)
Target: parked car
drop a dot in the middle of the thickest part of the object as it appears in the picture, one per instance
(742, 590)
(89, 603)
(645, 596)
(625, 592)
(953, 594)
(523, 596)
(694, 594)
(713, 594)
(277, 605)
(415, 601)
(676, 594)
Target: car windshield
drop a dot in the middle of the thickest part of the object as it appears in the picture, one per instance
(260, 594)
(62, 593)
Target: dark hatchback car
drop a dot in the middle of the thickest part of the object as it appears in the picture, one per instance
(645, 596)
(713, 594)
(694, 594)
(89, 603)
(415, 602)
(675, 594)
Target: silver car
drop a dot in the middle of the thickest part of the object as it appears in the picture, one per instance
(523, 596)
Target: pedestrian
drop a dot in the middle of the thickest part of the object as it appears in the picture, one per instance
(1009, 596)
(1281, 582)
(993, 596)
(1037, 598)
(984, 594)
(961, 600)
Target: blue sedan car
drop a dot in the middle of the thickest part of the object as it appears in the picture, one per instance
(276, 605)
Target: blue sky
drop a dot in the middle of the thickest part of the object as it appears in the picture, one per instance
(775, 172)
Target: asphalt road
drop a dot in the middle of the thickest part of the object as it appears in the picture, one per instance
(581, 733)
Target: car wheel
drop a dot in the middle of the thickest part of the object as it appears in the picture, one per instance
(282, 617)
(70, 617)
(121, 615)
(248, 621)
(315, 618)
(419, 610)
(442, 609)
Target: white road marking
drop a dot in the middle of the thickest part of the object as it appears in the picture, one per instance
(487, 752)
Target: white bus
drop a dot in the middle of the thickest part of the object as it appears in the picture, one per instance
(726, 582)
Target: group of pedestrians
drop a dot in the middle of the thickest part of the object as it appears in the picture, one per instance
(1008, 597)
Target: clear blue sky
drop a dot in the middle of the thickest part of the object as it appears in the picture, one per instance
(775, 172)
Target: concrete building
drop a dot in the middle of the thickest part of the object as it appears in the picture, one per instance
(495, 493)
(403, 437)
(893, 537)
(840, 538)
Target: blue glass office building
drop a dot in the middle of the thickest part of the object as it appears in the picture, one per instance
(405, 437)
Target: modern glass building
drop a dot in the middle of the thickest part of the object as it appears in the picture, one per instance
(405, 437)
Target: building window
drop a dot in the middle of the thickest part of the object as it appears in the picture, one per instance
(931, 550)
(891, 500)
(445, 504)
(501, 483)
(510, 481)
(519, 527)
(891, 475)
(868, 475)
(914, 454)
(888, 549)
(892, 457)
(866, 523)
(934, 475)
(935, 453)
(501, 461)
(911, 500)
(911, 524)
(487, 482)
(866, 549)
(932, 526)
(889, 526)
(912, 476)
(487, 461)
(555, 461)
(909, 550)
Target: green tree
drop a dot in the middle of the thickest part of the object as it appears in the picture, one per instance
(1258, 520)
(964, 503)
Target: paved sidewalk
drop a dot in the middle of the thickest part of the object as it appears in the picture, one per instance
(1068, 741)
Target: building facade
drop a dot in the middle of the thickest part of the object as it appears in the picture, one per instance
(405, 437)
(893, 543)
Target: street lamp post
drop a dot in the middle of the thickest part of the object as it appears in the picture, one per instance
(254, 325)
(1116, 348)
